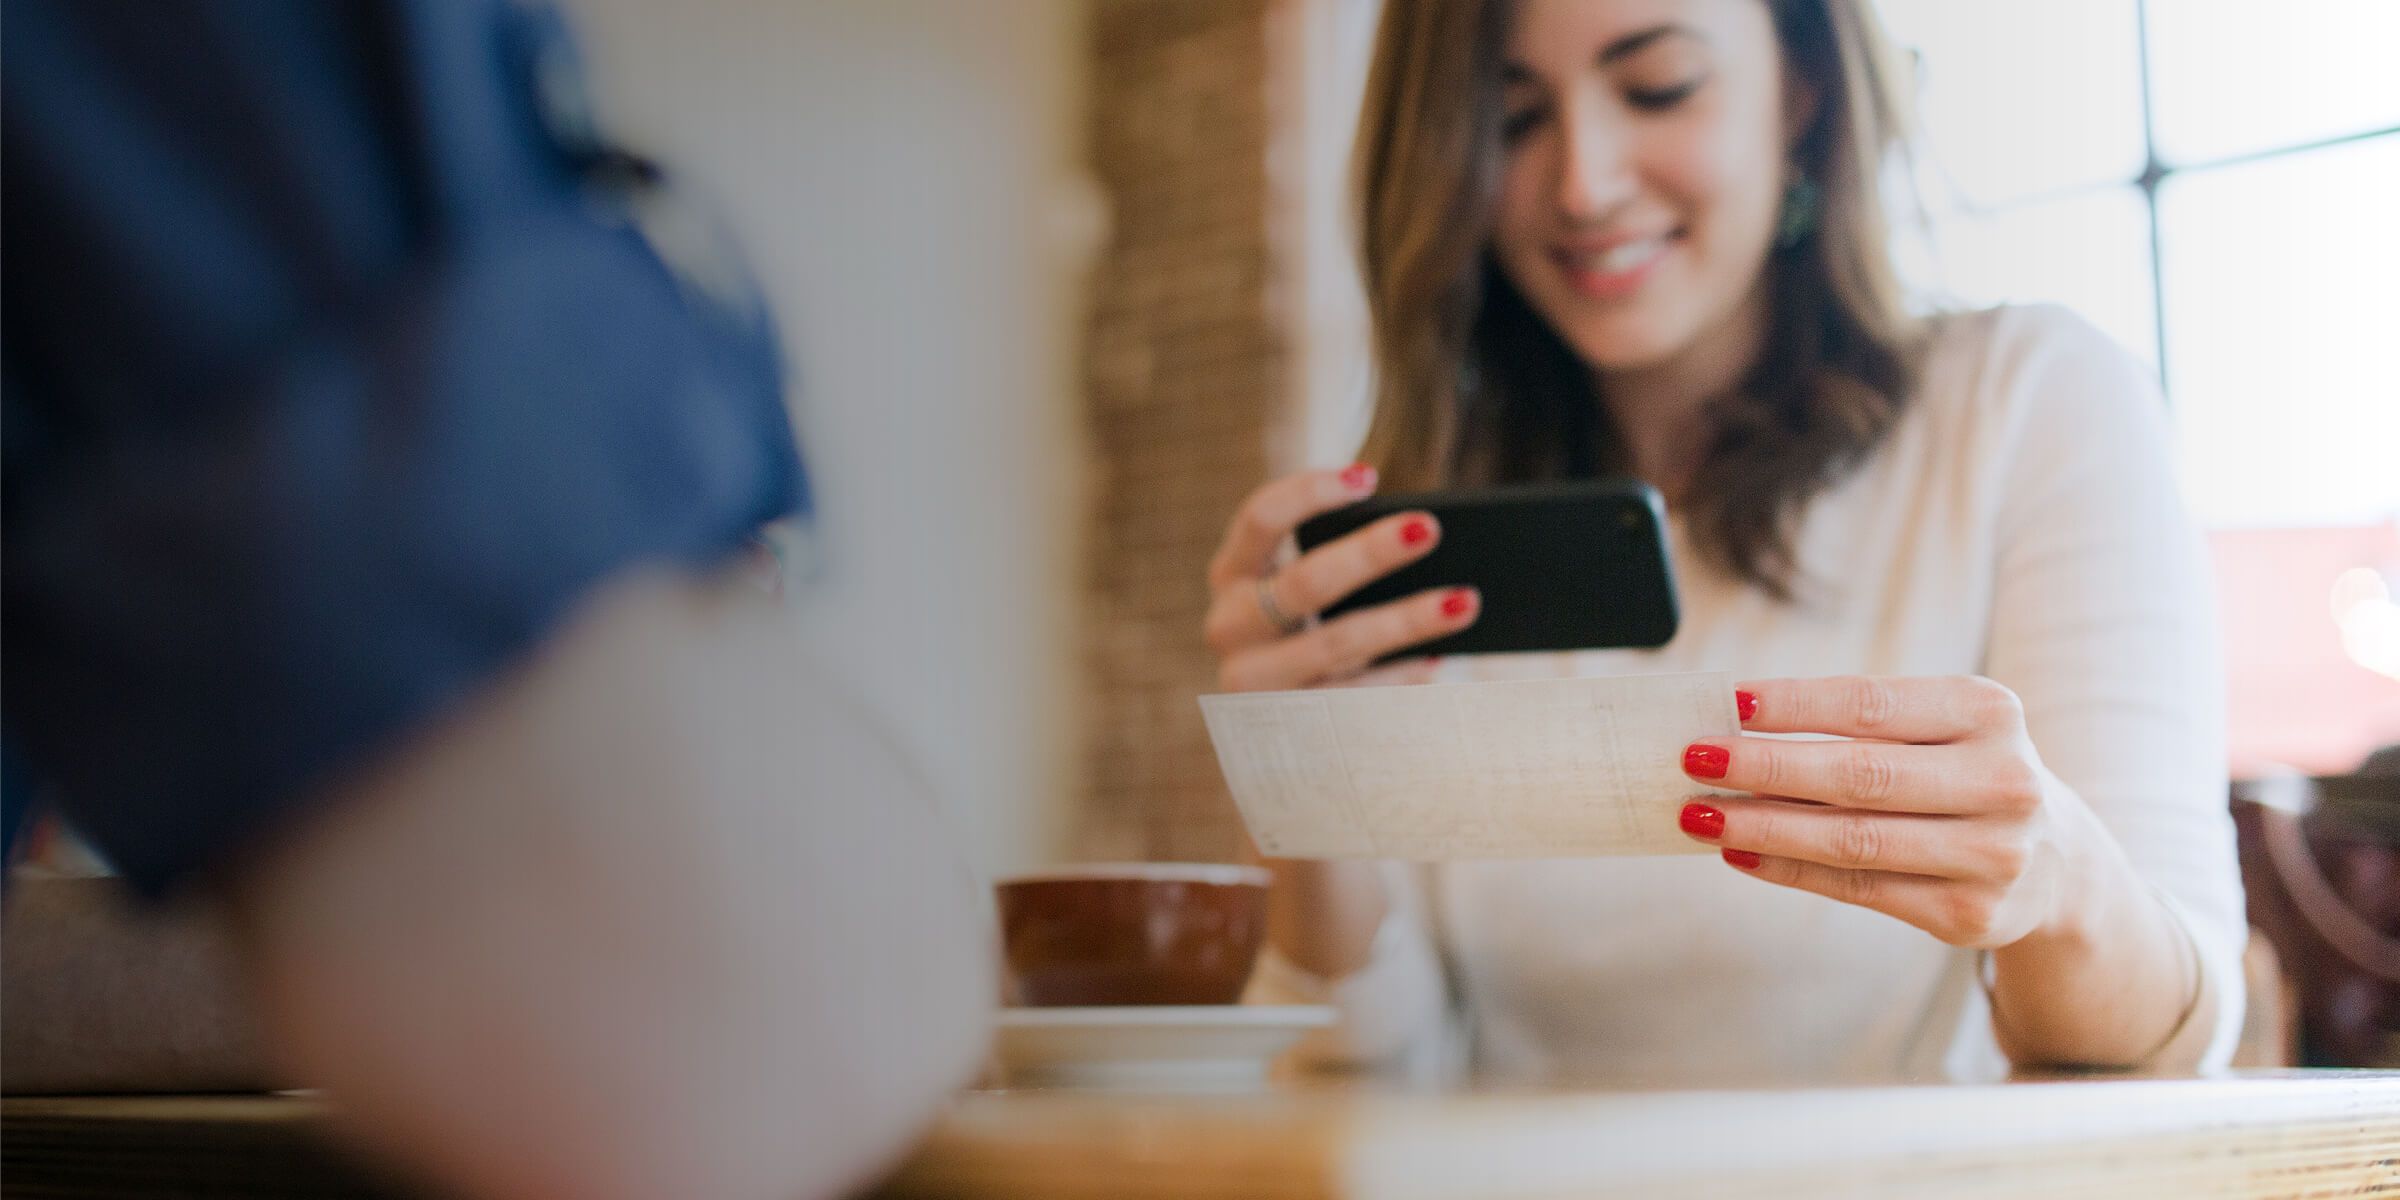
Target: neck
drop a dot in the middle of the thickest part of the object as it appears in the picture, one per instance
(1660, 408)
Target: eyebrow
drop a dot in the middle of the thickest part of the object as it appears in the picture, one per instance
(1618, 50)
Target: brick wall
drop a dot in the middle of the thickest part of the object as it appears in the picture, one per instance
(1188, 395)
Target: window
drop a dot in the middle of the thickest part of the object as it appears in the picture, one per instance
(2215, 183)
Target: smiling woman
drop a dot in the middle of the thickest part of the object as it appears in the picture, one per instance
(1643, 237)
(1634, 205)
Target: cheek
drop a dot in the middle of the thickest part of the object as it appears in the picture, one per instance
(1519, 217)
(1729, 202)
(1731, 179)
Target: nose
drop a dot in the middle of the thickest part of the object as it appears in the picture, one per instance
(1595, 170)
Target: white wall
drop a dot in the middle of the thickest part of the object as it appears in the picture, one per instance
(1328, 81)
(905, 177)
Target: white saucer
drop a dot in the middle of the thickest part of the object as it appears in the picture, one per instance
(1224, 1047)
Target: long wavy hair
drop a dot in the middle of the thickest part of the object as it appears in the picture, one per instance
(1472, 387)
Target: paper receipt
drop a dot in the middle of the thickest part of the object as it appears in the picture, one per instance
(1540, 768)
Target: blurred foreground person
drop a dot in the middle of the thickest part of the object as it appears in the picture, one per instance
(373, 501)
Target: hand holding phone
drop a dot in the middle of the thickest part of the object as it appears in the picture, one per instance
(1260, 620)
(1578, 564)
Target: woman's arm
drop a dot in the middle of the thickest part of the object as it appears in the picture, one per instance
(1326, 921)
(1354, 935)
(2104, 623)
(1322, 916)
(2067, 813)
(1938, 810)
(2115, 981)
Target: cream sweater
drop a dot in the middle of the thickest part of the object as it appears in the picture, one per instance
(2021, 522)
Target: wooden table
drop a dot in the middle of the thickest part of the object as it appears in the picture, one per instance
(2284, 1135)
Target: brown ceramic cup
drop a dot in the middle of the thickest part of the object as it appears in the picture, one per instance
(1133, 933)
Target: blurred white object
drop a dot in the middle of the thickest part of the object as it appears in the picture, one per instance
(1520, 768)
(2369, 620)
(1177, 1048)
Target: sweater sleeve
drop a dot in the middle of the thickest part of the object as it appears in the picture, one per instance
(2104, 622)
(1391, 1015)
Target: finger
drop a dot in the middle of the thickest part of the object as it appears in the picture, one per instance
(1270, 514)
(1307, 585)
(1237, 619)
(1958, 914)
(1873, 775)
(1943, 847)
(1345, 645)
(1406, 672)
(1891, 708)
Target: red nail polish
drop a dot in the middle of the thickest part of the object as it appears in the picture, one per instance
(1703, 822)
(1743, 859)
(1706, 762)
(1458, 603)
(1414, 531)
(1745, 704)
(1358, 477)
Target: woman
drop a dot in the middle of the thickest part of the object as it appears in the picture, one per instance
(1643, 236)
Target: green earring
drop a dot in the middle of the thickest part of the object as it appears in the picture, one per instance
(1798, 217)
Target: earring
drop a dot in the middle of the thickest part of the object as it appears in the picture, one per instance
(1798, 217)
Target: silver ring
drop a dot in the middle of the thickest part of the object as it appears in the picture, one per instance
(1284, 623)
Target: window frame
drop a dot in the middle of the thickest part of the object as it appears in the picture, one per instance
(2155, 172)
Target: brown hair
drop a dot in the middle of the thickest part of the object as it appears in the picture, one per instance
(1473, 387)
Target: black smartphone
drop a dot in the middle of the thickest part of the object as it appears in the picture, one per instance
(1578, 565)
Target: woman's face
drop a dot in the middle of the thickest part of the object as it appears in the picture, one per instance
(1644, 165)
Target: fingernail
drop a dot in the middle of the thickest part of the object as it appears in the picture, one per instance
(1703, 822)
(1706, 762)
(1415, 530)
(1358, 477)
(1743, 859)
(1745, 704)
(1458, 603)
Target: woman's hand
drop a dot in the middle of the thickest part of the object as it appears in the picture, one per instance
(1322, 916)
(1939, 812)
(1262, 618)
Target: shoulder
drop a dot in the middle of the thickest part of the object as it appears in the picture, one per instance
(2000, 355)
(2021, 376)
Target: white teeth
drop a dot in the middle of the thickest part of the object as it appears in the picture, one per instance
(1619, 259)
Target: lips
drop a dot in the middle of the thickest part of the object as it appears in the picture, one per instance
(1615, 269)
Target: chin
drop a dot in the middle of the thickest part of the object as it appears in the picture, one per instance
(1625, 343)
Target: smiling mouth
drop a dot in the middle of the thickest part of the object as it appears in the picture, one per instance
(1616, 271)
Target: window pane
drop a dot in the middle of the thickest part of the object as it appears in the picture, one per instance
(2282, 298)
(2026, 97)
(2089, 252)
(2236, 76)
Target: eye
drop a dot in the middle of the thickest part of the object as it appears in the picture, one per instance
(1663, 98)
(1521, 121)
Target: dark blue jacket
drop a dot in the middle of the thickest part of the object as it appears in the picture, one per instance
(334, 374)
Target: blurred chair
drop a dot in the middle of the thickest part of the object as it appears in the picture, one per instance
(2271, 1020)
(2321, 861)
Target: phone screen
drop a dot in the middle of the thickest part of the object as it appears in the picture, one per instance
(1562, 566)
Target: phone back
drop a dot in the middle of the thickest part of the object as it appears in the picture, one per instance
(1578, 565)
